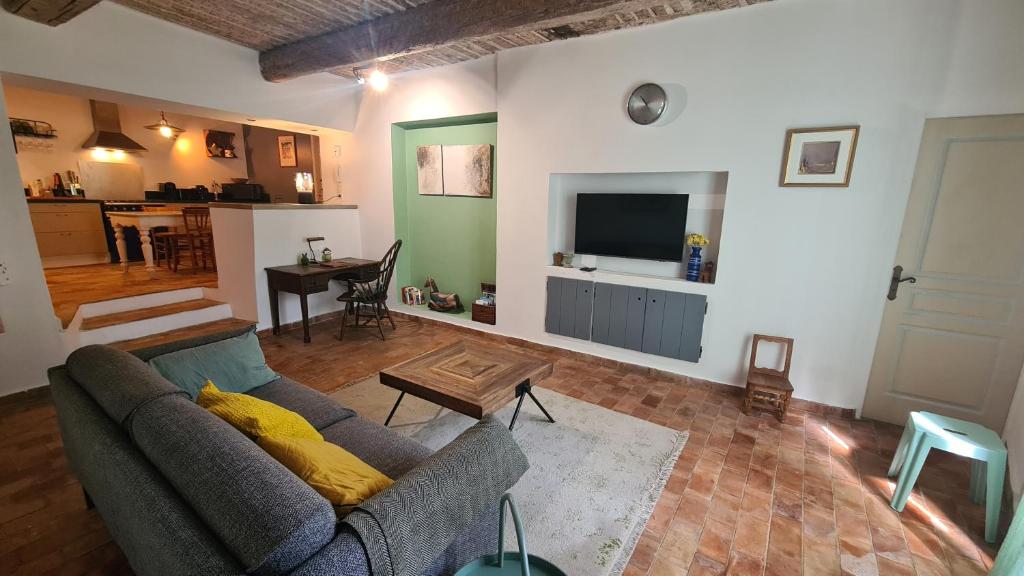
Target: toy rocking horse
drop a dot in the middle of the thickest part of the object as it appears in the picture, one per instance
(440, 301)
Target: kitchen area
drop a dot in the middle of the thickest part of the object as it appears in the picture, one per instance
(119, 194)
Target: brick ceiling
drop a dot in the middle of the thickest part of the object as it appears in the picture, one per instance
(266, 24)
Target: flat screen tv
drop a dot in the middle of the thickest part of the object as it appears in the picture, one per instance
(646, 226)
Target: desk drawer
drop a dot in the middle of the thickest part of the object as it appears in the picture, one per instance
(320, 283)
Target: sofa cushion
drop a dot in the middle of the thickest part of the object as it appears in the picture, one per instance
(254, 417)
(147, 354)
(384, 449)
(234, 364)
(265, 515)
(117, 381)
(318, 409)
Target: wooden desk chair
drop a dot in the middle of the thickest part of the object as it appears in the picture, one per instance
(199, 237)
(371, 293)
(767, 388)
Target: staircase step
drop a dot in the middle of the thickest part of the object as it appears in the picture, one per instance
(97, 322)
(181, 334)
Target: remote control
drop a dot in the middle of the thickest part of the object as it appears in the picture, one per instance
(588, 269)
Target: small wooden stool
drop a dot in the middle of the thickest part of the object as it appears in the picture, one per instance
(766, 388)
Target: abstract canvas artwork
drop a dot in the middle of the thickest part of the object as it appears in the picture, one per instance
(428, 170)
(467, 170)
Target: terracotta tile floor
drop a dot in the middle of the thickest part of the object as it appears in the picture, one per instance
(748, 496)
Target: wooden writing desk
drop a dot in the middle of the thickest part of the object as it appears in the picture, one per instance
(312, 279)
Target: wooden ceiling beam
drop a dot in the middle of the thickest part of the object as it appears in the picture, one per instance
(430, 26)
(50, 12)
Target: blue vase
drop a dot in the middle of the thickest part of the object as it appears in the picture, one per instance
(693, 266)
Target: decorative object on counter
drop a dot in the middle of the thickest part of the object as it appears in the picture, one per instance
(286, 151)
(325, 255)
(768, 388)
(567, 260)
(304, 259)
(303, 182)
(442, 301)
(696, 242)
(819, 156)
(485, 307)
(219, 144)
(166, 129)
(557, 258)
(707, 276)
(428, 170)
(466, 170)
(412, 296)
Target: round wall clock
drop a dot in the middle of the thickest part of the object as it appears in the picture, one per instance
(646, 104)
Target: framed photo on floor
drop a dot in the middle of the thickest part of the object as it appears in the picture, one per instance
(819, 156)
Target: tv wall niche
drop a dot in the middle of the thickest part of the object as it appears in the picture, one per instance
(705, 213)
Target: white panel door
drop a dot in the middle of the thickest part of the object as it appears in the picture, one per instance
(952, 341)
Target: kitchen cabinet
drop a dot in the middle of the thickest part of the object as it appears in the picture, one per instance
(69, 233)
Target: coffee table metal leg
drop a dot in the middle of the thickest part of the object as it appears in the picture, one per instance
(516, 413)
(395, 407)
(522, 391)
(541, 406)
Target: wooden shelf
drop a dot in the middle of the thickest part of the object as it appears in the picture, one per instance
(642, 280)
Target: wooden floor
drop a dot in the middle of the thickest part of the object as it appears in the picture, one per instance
(748, 495)
(76, 285)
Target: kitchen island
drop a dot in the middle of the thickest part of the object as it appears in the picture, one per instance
(252, 237)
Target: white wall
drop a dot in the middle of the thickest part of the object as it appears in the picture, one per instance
(31, 340)
(183, 161)
(248, 241)
(111, 47)
(807, 263)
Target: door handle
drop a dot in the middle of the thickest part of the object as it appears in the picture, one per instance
(896, 280)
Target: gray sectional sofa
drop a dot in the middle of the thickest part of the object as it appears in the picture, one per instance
(183, 492)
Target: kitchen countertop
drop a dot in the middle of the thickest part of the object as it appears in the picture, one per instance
(58, 200)
(281, 206)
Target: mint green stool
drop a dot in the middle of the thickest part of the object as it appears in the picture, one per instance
(510, 563)
(925, 431)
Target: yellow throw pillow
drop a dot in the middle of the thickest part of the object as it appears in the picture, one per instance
(254, 417)
(334, 472)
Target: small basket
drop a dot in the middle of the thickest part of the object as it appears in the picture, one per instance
(484, 314)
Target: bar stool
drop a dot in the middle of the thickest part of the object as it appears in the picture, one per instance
(925, 431)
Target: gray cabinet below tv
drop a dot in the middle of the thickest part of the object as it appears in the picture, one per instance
(652, 321)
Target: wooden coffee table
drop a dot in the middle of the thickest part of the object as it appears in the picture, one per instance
(474, 379)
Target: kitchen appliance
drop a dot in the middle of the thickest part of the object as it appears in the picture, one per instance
(107, 134)
(646, 226)
(131, 235)
(231, 192)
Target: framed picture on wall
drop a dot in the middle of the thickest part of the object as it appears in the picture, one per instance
(286, 151)
(819, 156)
(467, 170)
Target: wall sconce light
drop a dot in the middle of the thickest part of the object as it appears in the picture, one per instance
(378, 80)
(164, 128)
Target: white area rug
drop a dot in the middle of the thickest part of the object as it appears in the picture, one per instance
(594, 475)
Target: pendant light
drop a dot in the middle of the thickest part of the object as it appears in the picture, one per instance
(164, 127)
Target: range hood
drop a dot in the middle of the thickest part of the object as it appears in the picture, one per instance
(106, 122)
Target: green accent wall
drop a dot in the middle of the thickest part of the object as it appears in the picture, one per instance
(451, 238)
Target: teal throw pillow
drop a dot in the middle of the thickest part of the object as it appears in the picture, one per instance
(234, 365)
